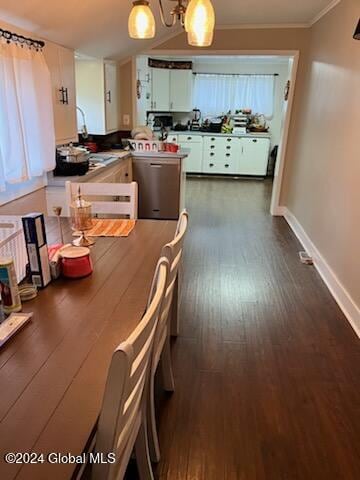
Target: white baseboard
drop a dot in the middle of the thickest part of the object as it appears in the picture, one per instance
(279, 211)
(338, 291)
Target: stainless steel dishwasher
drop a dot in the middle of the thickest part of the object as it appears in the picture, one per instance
(159, 186)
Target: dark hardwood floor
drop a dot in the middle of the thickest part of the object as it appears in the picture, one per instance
(267, 368)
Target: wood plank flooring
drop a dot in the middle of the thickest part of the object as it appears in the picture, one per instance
(267, 368)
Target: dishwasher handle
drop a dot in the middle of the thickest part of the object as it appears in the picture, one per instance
(156, 165)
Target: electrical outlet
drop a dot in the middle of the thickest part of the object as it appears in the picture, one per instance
(126, 119)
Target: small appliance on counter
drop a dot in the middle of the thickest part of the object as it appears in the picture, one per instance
(195, 122)
(71, 161)
(160, 121)
(180, 127)
(215, 125)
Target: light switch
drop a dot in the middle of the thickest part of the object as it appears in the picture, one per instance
(126, 119)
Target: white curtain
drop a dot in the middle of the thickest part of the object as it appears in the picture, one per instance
(215, 94)
(27, 134)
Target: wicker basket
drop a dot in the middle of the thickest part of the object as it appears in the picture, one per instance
(12, 243)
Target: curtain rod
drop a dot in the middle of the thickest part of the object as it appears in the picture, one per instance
(21, 40)
(239, 74)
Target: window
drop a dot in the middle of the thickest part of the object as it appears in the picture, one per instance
(215, 94)
(27, 135)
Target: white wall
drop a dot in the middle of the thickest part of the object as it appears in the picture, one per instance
(321, 187)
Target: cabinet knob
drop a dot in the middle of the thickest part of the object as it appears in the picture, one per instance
(126, 174)
(211, 164)
(227, 165)
(212, 146)
(229, 139)
(212, 139)
(228, 154)
(254, 140)
(228, 147)
(189, 138)
(212, 154)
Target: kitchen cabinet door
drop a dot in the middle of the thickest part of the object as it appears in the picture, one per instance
(254, 157)
(211, 164)
(67, 71)
(60, 62)
(181, 89)
(97, 95)
(193, 163)
(111, 97)
(160, 89)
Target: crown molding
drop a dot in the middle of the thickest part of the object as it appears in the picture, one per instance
(260, 26)
(324, 11)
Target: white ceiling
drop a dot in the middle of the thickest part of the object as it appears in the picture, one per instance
(99, 27)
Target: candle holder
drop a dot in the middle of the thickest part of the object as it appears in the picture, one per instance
(80, 212)
(57, 211)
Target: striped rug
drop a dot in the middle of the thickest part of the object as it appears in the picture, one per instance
(104, 227)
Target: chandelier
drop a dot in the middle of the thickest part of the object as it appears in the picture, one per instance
(196, 16)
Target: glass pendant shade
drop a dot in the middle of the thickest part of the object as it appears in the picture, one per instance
(200, 39)
(200, 23)
(141, 20)
(357, 32)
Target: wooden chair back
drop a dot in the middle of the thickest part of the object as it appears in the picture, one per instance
(106, 198)
(173, 252)
(122, 411)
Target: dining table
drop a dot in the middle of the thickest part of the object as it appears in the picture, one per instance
(53, 371)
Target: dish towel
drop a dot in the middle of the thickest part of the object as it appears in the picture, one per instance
(104, 227)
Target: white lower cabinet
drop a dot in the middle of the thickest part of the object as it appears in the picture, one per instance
(235, 156)
(193, 143)
(254, 156)
(221, 155)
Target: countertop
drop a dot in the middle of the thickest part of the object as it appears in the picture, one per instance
(117, 156)
(212, 134)
(182, 153)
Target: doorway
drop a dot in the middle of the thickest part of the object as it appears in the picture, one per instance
(281, 65)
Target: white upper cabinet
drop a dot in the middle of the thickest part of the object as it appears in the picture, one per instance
(97, 95)
(61, 63)
(160, 89)
(171, 90)
(181, 90)
(111, 97)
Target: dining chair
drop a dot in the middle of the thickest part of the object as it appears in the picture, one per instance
(161, 351)
(108, 198)
(182, 225)
(122, 422)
